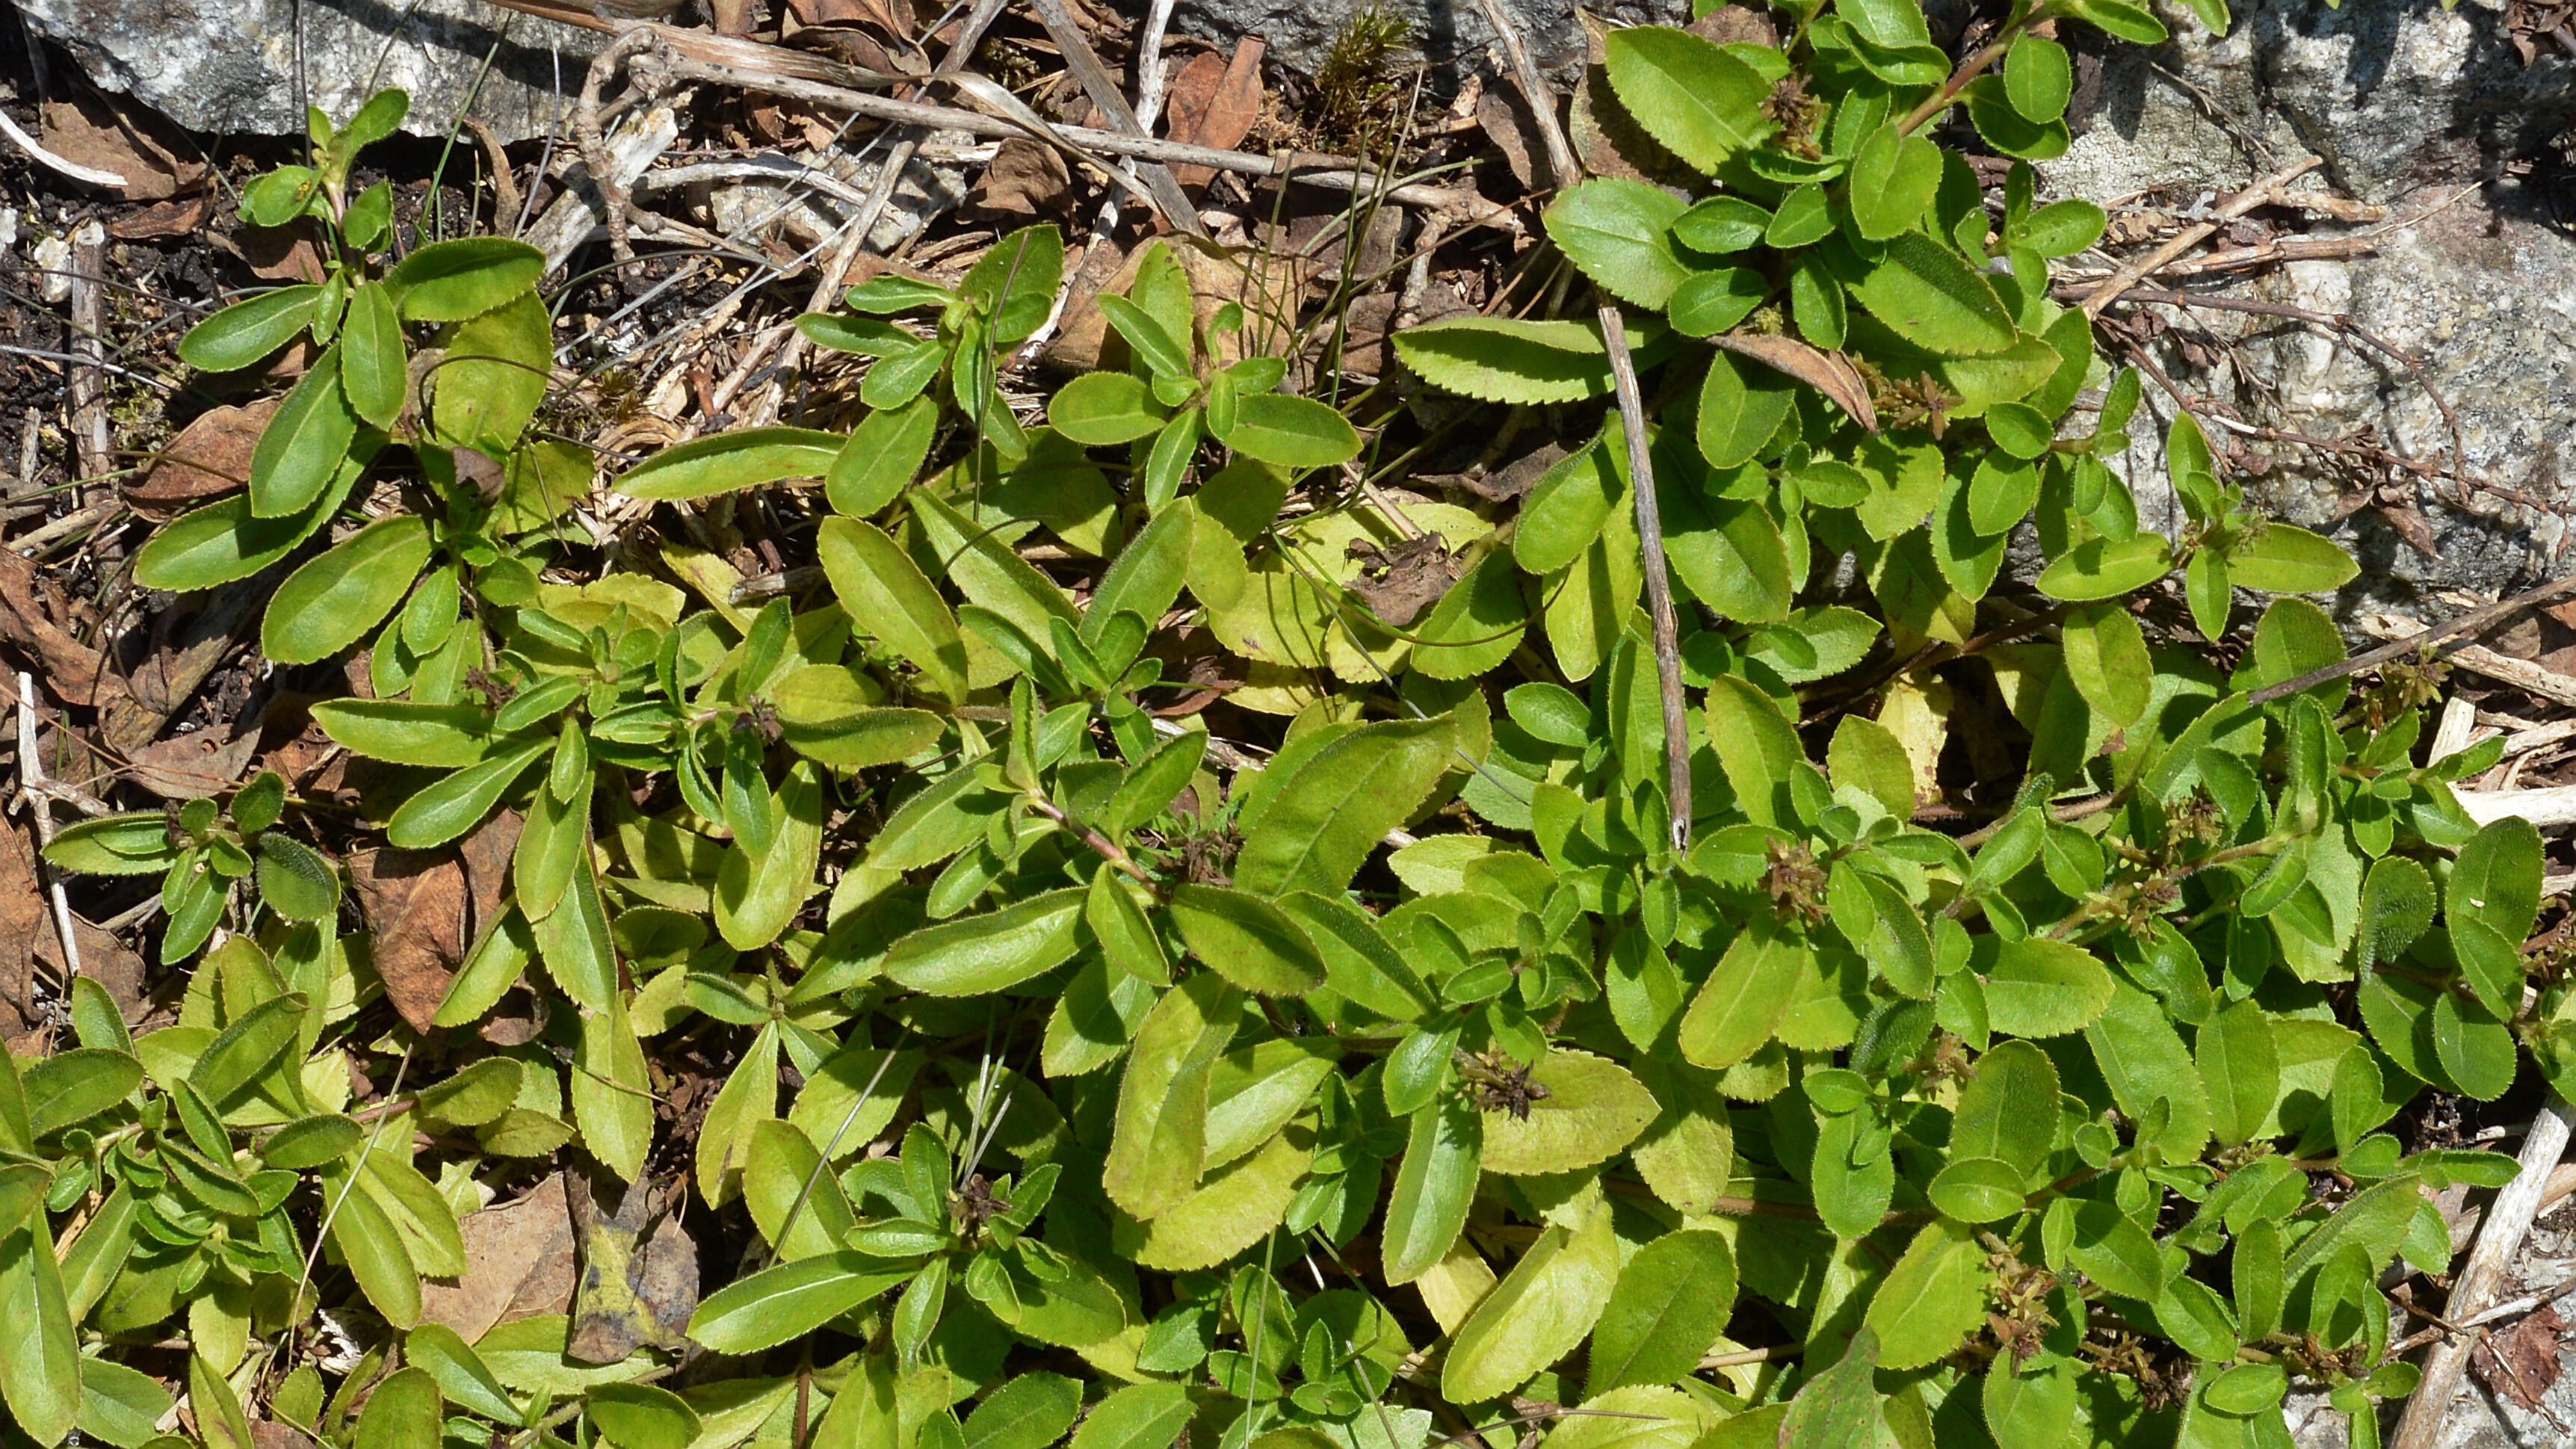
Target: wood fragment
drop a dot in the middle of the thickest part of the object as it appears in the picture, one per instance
(31, 779)
(2451, 735)
(1102, 87)
(1331, 172)
(89, 341)
(2500, 1236)
(2259, 194)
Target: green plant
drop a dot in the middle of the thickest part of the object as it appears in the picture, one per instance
(1053, 1036)
(199, 849)
(446, 351)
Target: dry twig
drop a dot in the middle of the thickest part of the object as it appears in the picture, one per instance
(2259, 194)
(89, 341)
(2500, 1237)
(31, 789)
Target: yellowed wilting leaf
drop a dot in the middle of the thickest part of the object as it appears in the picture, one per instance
(1829, 373)
(1919, 716)
(1452, 1287)
(519, 1264)
(634, 1289)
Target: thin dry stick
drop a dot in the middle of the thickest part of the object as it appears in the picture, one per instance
(89, 329)
(31, 782)
(1641, 463)
(2260, 193)
(1564, 169)
(1332, 173)
(2333, 321)
(1659, 587)
(1149, 103)
(2471, 622)
(1102, 87)
(2500, 1236)
(855, 241)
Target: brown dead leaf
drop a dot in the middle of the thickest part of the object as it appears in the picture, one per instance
(123, 137)
(2522, 1362)
(415, 905)
(852, 42)
(1606, 139)
(515, 1022)
(269, 1434)
(23, 915)
(519, 1264)
(29, 608)
(162, 219)
(1737, 25)
(891, 16)
(209, 458)
(2412, 527)
(278, 253)
(1503, 484)
(105, 959)
(30, 945)
(1214, 102)
(200, 762)
(424, 908)
(1025, 181)
(1829, 373)
(486, 854)
(1399, 583)
(1504, 115)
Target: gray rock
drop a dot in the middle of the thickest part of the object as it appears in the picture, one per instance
(2431, 113)
(240, 67)
(1448, 33)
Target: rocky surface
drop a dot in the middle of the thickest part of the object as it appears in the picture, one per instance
(2433, 114)
(244, 67)
(1448, 33)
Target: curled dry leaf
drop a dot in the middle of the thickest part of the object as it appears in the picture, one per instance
(2522, 1362)
(1024, 181)
(1829, 373)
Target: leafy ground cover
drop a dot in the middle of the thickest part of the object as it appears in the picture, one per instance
(1549, 1009)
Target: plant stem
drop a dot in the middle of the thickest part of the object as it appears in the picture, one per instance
(1969, 69)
